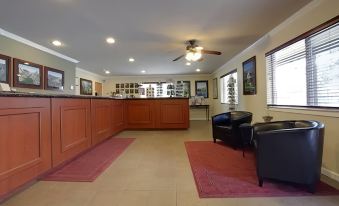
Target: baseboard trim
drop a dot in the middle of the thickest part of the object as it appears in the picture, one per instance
(198, 118)
(330, 174)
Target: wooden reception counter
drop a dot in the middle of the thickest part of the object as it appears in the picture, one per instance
(40, 132)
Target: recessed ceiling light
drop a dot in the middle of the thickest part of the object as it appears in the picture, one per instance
(56, 43)
(188, 63)
(143, 71)
(197, 70)
(110, 40)
(107, 72)
(131, 60)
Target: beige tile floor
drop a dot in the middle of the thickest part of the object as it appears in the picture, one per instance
(154, 170)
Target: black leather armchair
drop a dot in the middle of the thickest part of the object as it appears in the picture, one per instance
(226, 127)
(289, 151)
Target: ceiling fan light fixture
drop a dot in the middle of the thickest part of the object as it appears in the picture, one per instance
(193, 56)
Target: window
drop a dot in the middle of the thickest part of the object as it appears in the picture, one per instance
(305, 72)
(225, 86)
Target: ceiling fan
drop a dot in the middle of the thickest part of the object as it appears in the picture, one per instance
(194, 52)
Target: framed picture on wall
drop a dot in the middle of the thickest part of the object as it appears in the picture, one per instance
(249, 77)
(201, 88)
(215, 88)
(54, 79)
(5, 71)
(117, 86)
(27, 74)
(86, 87)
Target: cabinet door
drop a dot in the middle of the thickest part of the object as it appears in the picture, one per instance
(140, 114)
(118, 116)
(172, 113)
(101, 120)
(25, 140)
(71, 132)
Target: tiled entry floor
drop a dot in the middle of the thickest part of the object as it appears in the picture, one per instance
(154, 170)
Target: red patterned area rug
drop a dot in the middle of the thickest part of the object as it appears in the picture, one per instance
(88, 166)
(220, 171)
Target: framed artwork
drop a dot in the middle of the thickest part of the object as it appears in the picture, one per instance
(86, 87)
(5, 71)
(27, 74)
(201, 88)
(122, 86)
(249, 76)
(117, 91)
(131, 85)
(136, 91)
(117, 86)
(215, 88)
(54, 79)
(136, 85)
(127, 85)
(186, 88)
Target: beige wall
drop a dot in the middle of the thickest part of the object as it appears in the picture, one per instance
(22, 51)
(109, 86)
(81, 73)
(314, 14)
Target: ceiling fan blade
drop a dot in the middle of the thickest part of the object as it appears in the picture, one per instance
(176, 59)
(210, 52)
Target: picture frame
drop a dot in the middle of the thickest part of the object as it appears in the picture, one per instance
(54, 79)
(183, 88)
(249, 76)
(117, 86)
(201, 88)
(5, 69)
(215, 88)
(27, 74)
(86, 87)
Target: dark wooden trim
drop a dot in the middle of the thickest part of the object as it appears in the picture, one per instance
(231, 72)
(16, 82)
(306, 34)
(196, 84)
(9, 70)
(81, 89)
(255, 76)
(46, 69)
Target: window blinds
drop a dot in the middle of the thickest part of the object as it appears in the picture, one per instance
(306, 72)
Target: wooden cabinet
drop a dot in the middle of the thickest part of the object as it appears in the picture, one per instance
(157, 113)
(140, 114)
(118, 116)
(172, 113)
(71, 128)
(101, 110)
(25, 140)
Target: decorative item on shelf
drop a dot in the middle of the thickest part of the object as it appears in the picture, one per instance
(267, 118)
(231, 93)
(249, 77)
(86, 87)
(54, 79)
(5, 72)
(170, 90)
(150, 91)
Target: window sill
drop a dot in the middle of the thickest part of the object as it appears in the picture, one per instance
(308, 111)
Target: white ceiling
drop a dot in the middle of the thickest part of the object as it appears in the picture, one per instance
(151, 31)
